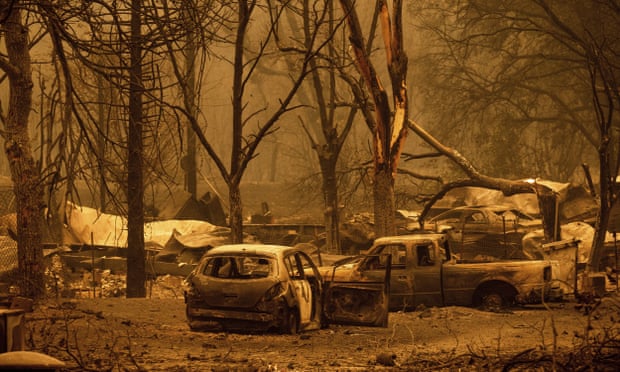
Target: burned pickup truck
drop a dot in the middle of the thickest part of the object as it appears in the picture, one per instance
(423, 272)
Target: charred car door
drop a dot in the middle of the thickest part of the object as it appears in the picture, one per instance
(372, 268)
(306, 286)
(361, 300)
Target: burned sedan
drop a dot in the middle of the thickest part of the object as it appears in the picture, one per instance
(254, 287)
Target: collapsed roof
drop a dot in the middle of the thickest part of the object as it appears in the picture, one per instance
(575, 202)
(88, 226)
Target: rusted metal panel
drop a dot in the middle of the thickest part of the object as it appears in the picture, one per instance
(356, 303)
(363, 301)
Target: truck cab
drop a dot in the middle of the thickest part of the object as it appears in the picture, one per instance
(416, 268)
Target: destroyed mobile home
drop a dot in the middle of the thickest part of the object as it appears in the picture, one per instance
(95, 240)
(245, 287)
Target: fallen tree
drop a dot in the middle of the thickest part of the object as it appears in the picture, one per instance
(546, 195)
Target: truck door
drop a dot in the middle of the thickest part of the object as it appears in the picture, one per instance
(362, 302)
(427, 274)
(401, 278)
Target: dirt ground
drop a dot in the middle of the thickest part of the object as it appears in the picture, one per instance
(151, 334)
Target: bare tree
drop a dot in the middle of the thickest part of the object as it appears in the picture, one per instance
(598, 45)
(328, 122)
(136, 277)
(389, 130)
(188, 32)
(119, 52)
(246, 136)
(242, 153)
(24, 173)
(491, 76)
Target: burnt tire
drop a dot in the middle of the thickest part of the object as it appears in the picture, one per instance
(192, 325)
(290, 324)
(191, 321)
(494, 296)
(492, 300)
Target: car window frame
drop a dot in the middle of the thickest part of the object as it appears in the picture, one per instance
(376, 261)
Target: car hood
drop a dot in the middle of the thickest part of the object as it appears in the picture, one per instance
(345, 273)
(236, 293)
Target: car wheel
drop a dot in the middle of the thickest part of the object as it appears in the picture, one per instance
(191, 321)
(291, 322)
(192, 325)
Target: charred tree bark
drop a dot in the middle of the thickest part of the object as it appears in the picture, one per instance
(136, 264)
(605, 90)
(101, 144)
(24, 173)
(233, 179)
(390, 131)
(328, 148)
(330, 200)
(236, 213)
(606, 199)
(383, 192)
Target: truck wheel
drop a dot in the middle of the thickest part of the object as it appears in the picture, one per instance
(494, 296)
(492, 300)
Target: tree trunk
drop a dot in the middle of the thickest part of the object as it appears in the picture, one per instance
(101, 143)
(236, 154)
(331, 203)
(605, 200)
(136, 264)
(191, 183)
(236, 213)
(384, 207)
(24, 173)
(390, 131)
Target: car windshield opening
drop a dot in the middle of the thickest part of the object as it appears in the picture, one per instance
(239, 267)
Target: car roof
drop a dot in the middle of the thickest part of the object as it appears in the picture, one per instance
(408, 213)
(420, 236)
(251, 249)
(484, 206)
(489, 207)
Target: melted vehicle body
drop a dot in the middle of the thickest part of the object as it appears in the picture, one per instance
(254, 287)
